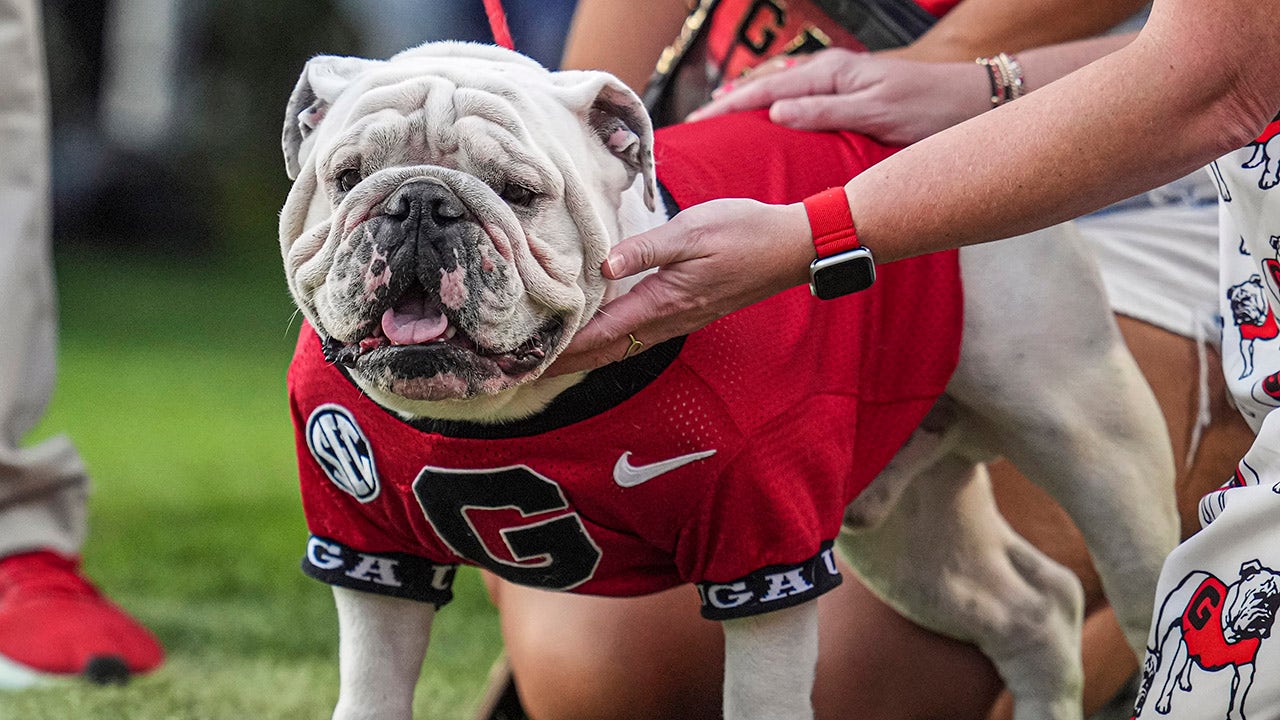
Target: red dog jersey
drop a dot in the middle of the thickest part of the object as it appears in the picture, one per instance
(724, 459)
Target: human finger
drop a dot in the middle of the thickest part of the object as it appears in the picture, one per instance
(703, 274)
(615, 320)
(895, 102)
(572, 361)
(622, 329)
(825, 112)
(653, 248)
(616, 350)
(768, 67)
(810, 78)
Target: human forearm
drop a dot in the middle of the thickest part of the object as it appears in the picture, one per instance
(1134, 119)
(892, 100)
(622, 36)
(977, 28)
(1043, 65)
(603, 35)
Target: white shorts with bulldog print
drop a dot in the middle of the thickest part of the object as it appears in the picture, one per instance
(1210, 654)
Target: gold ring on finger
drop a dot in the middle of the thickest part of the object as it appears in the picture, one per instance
(633, 348)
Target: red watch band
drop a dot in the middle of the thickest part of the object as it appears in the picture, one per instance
(831, 222)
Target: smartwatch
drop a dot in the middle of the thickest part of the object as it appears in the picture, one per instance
(843, 265)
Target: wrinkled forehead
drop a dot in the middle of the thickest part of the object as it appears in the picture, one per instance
(434, 108)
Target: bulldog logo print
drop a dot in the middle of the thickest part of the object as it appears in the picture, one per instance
(1266, 155)
(1253, 318)
(1209, 624)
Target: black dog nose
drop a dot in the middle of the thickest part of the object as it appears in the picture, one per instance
(424, 228)
(425, 203)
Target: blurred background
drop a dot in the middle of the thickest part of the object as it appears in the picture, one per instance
(177, 330)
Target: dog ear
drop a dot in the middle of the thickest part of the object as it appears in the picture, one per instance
(1250, 568)
(322, 81)
(617, 117)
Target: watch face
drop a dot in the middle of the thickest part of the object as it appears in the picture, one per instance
(838, 275)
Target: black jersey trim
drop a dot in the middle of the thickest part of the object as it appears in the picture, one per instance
(599, 391)
(668, 200)
(775, 587)
(880, 24)
(602, 389)
(396, 574)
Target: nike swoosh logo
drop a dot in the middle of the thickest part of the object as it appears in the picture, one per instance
(628, 475)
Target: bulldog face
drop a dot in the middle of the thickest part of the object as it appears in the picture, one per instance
(450, 211)
(1248, 302)
(1251, 603)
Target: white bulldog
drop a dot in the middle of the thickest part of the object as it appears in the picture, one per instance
(514, 181)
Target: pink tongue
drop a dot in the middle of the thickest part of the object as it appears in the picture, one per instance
(413, 322)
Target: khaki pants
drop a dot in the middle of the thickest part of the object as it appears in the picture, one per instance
(42, 488)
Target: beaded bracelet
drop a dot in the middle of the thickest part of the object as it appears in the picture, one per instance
(1004, 73)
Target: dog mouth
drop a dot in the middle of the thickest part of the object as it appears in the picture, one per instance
(418, 324)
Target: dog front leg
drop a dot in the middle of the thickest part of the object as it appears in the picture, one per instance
(769, 664)
(382, 641)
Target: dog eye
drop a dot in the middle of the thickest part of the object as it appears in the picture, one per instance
(518, 195)
(348, 179)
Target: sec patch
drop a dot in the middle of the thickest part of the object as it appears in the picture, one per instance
(342, 450)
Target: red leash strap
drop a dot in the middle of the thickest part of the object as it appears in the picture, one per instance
(498, 24)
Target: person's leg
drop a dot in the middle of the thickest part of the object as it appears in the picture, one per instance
(51, 619)
(579, 657)
(42, 488)
(1171, 362)
(655, 657)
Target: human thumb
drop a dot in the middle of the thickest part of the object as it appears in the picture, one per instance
(615, 266)
(649, 249)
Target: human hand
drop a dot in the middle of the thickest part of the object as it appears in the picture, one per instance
(711, 259)
(894, 101)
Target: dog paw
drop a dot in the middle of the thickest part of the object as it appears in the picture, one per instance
(1258, 157)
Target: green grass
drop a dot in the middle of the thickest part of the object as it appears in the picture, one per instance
(171, 383)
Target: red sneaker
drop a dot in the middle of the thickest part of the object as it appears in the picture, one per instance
(53, 621)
